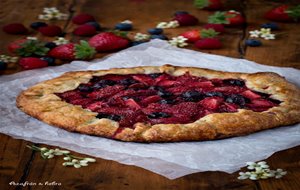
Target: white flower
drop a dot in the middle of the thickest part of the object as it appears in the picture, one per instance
(90, 159)
(173, 24)
(77, 166)
(127, 22)
(268, 36)
(279, 173)
(244, 175)
(254, 33)
(52, 13)
(8, 59)
(141, 37)
(67, 158)
(162, 25)
(61, 41)
(31, 38)
(234, 11)
(178, 41)
(68, 164)
(265, 31)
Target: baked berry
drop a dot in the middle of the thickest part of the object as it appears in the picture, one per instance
(3, 65)
(155, 31)
(211, 94)
(159, 36)
(94, 24)
(50, 60)
(234, 82)
(50, 45)
(128, 81)
(155, 75)
(167, 101)
(253, 43)
(37, 25)
(104, 83)
(192, 96)
(84, 88)
(123, 26)
(271, 25)
(109, 116)
(164, 94)
(181, 13)
(236, 99)
(156, 115)
(15, 28)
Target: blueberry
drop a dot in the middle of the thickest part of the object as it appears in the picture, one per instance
(50, 60)
(236, 99)
(135, 43)
(128, 81)
(84, 88)
(253, 43)
(181, 13)
(210, 94)
(156, 115)
(123, 26)
(234, 82)
(155, 75)
(167, 101)
(164, 94)
(159, 36)
(109, 116)
(37, 25)
(155, 31)
(3, 65)
(192, 96)
(95, 24)
(271, 25)
(50, 45)
(104, 83)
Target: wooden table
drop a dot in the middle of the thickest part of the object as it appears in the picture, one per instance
(20, 164)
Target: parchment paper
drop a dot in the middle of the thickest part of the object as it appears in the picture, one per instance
(171, 160)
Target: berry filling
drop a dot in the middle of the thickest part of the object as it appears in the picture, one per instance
(160, 98)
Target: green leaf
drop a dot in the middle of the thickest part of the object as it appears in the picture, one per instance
(208, 33)
(32, 48)
(218, 18)
(84, 51)
(201, 3)
(294, 12)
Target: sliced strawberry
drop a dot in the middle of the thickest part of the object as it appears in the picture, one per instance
(229, 89)
(162, 77)
(171, 120)
(205, 84)
(105, 92)
(114, 77)
(83, 102)
(261, 103)
(167, 83)
(132, 104)
(251, 95)
(143, 79)
(70, 95)
(150, 99)
(96, 105)
(211, 103)
(228, 107)
(138, 86)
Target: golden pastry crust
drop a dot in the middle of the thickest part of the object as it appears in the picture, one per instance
(41, 102)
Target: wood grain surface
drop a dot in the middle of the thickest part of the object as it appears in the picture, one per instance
(20, 164)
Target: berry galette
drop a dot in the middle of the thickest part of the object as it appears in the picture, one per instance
(163, 104)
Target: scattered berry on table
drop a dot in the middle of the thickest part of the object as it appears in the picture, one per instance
(15, 28)
(186, 20)
(50, 30)
(159, 36)
(50, 45)
(108, 41)
(228, 18)
(181, 13)
(217, 27)
(209, 4)
(3, 65)
(155, 31)
(73, 51)
(49, 60)
(37, 25)
(208, 43)
(253, 43)
(271, 25)
(284, 13)
(82, 18)
(195, 35)
(32, 48)
(32, 63)
(13, 46)
(85, 30)
(95, 24)
(123, 26)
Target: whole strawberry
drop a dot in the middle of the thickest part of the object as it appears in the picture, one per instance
(208, 43)
(209, 4)
(32, 63)
(50, 30)
(15, 28)
(82, 18)
(73, 51)
(284, 13)
(217, 27)
(186, 19)
(85, 30)
(229, 18)
(195, 35)
(13, 46)
(108, 41)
